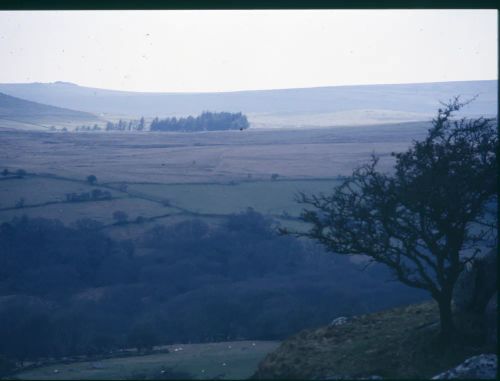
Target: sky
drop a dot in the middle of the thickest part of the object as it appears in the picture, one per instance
(231, 50)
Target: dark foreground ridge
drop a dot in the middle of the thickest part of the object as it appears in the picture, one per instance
(396, 343)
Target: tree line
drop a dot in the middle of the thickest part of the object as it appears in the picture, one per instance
(122, 125)
(207, 121)
(67, 290)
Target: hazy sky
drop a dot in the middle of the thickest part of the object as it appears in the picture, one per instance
(240, 50)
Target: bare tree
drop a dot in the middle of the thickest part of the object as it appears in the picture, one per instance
(428, 219)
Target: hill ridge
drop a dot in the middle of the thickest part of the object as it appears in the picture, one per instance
(18, 113)
(5, 98)
(73, 84)
(260, 105)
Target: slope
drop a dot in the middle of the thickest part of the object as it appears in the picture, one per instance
(399, 343)
(16, 113)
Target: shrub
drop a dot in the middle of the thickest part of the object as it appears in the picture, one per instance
(91, 179)
(21, 173)
(120, 216)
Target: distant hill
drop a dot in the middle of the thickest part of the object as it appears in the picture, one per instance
(399, 102)
(19, 113)
(321, 106)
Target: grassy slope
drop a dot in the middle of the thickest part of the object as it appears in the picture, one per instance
(19, 113)
(397, 343)
(200, 361)
(12, 106)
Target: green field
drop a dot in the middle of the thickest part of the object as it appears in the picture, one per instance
(209, 201)
(226, 360)
(36, 190)
(101, 211)
(206, 175)
(267, 197)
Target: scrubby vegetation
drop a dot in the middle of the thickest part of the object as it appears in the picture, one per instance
(400, 343)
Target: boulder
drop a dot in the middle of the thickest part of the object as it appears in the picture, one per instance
(491, 320)
(476, 284)
(479, 367)
(473, 292)
(336, 377)
(339, 321)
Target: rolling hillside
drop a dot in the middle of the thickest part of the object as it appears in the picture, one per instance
(307, 107)
(398, 343)
(16, 113)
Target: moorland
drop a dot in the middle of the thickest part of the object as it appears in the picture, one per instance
(142, 241)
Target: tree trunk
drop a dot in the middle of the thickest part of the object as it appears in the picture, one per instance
(446, 318)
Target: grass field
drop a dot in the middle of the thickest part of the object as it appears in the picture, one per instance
(206, 200)
(204, 157)
(101, 211)
(206, 175)
(267, 197)
(225, 360)
(36, 190)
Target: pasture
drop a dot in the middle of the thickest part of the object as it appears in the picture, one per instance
(213, 157)
(164, 177)
(101, 211)
(44, 197)
(266, 197)
(223, 360)
(38, 190)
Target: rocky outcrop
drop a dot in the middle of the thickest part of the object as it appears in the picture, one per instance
(475, 301)
(491, 320)
(477, 284)
(339, 321)
(338, 378)
(479, 367)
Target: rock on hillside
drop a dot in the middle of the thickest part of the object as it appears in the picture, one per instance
(397, 343)
(477, 284)
(475, 297)
(476, 368)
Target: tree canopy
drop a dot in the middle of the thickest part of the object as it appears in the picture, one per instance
(207, 121)
(429, 218)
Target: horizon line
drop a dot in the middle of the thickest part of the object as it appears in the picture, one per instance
(68, 83)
